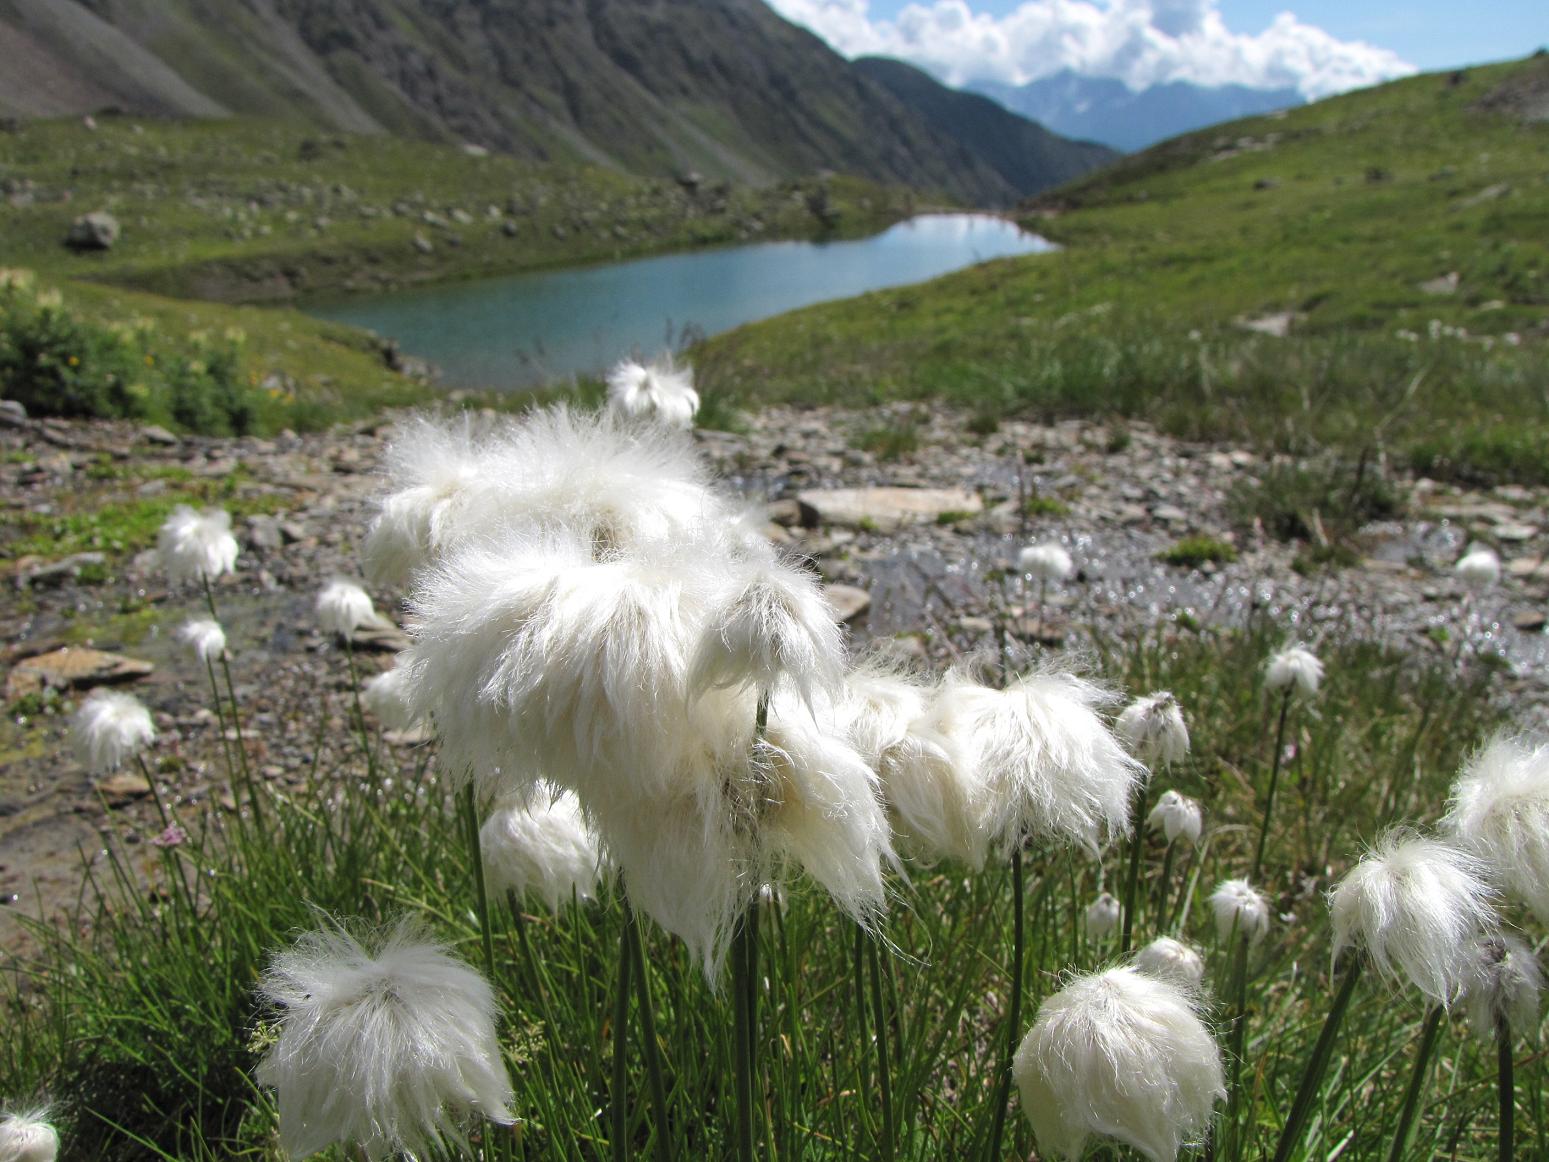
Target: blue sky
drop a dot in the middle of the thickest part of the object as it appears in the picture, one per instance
(1318, 46)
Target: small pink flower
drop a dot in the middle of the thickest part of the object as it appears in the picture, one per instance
(171, 837)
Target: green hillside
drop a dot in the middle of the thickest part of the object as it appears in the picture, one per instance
(1400, 235)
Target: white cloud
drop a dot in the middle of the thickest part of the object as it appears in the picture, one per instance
(1142, 42)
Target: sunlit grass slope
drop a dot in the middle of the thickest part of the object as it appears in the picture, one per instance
(1401, 232)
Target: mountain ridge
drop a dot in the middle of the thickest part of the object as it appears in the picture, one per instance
(1106, 110)
(657, 87)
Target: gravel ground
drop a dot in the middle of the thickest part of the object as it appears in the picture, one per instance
(923, 583)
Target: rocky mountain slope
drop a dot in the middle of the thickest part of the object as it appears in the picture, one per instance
(723, 87)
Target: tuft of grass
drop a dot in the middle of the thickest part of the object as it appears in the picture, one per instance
(890, 441)
(1192, 552)
(1044, 506)
(1324, 501)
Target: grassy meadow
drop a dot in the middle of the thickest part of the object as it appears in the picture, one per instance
(139, 1020)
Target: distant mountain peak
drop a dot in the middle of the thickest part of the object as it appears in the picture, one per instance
(1107, 110)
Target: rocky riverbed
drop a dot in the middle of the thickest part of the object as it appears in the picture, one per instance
(913, 520)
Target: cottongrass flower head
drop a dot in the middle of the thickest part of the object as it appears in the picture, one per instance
(1154, 729)
(930, 791)
(206, 637)
(1416, 906)
(541, 845)
(1040, 758)
(109, 729)
(28, 1137)
(196, 546)
(1295, 669)
(390, 1047)
(432, 468)
(1177, 815)
(1102, 916)
(1479, 568)
(1046, 562)
(387, 696)
(772, 626)
(343, 608)
(1120, 1054)
(1502, 987)
(663, 394)
(1499, 810)
(1240, 908)
(1171, 960)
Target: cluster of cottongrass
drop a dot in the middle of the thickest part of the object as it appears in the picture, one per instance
(633, 687)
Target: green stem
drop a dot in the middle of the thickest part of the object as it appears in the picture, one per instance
(1274, 779)
(742, 986)
(1239, 1036)
(1505, 1069)
(1132, 887)
(470, 814)
(653, 1055)
(1317, 1065)
(1161, 890)
(360, 712)
(1406, 1120)
(885, 1074)
(1014, 1018)
(618, 1138)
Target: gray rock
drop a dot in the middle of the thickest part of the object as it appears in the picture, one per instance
(263, 532)
(884, 509)
(156, 434)
(12, 414)
(77, 667)
(423, 244)
(847, 602)
(97, 230)
(1446, 284)
(57, 572)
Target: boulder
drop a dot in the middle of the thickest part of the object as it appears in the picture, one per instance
(847, 601)
(883, 509)
(72, 667)
(95, 231)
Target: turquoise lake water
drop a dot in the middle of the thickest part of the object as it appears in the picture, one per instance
(528, 329)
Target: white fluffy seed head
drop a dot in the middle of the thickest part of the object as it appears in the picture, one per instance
(1240, 910)
(28, 1137)
(1040, 758)
(387, 695)
(206, 637)
(1154, 729)
(1415, 906)
(541, 845)
(1177, 815)
(1102, 916)
(770, 627)
(925, 784)
(194, 545)
(1499, 810)
(432, 467)
(1171, 960)
(1295, 668)
(1046, 562)
(1502, 985)
(1123, 1055)
(343, 607)
(109, 729)
(1479, 568)
(660, 393)
(391, 1046)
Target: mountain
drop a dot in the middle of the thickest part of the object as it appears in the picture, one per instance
(723, 87)
(1107, 110)
(1025, 153)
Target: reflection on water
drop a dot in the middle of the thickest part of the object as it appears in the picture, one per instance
(526, 329)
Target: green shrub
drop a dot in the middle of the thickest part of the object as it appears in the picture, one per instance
(56, 363)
